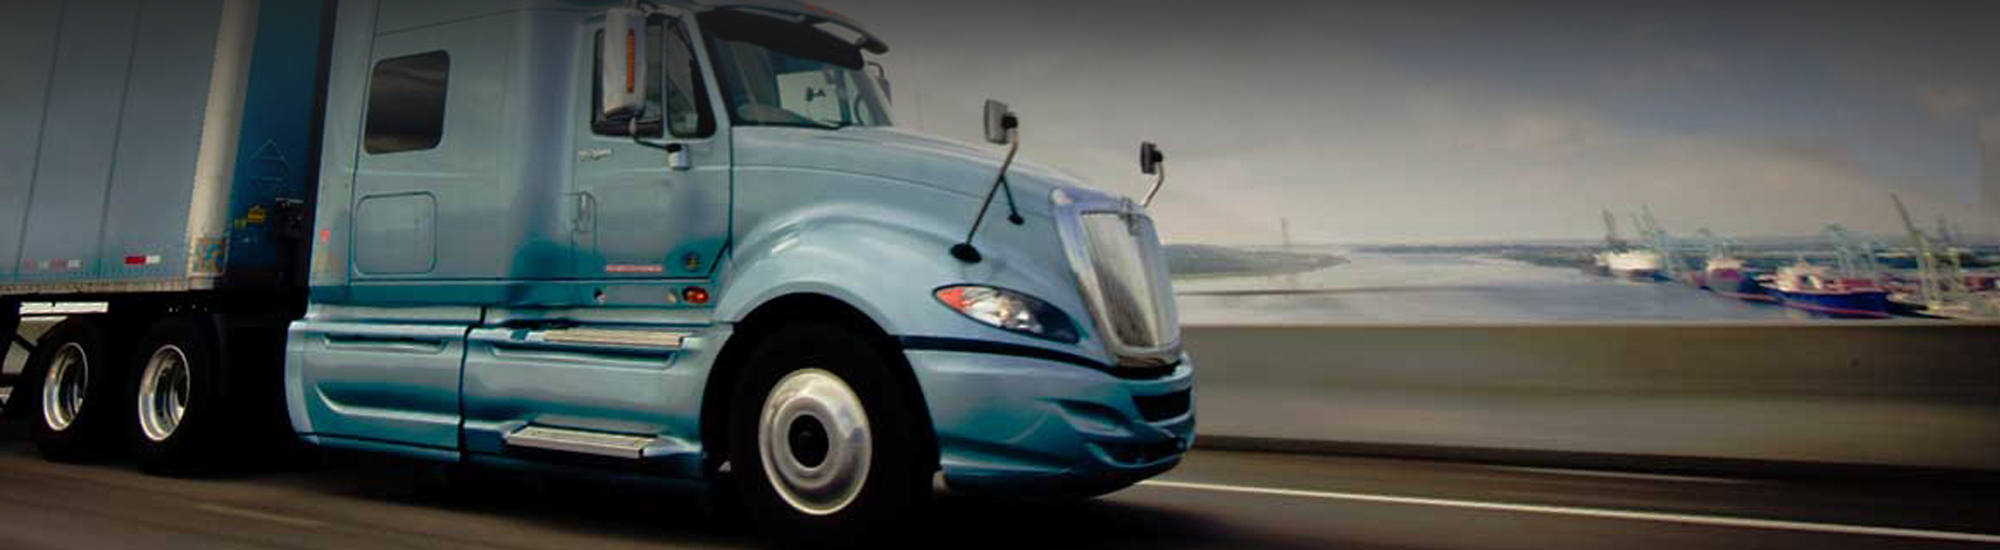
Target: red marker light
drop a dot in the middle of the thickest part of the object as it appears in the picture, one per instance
(816, 8)
(135, 260)
(694, 295)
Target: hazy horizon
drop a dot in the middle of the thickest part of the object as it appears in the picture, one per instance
(1449, 121)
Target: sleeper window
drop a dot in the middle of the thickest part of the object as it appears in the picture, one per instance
(406, 103)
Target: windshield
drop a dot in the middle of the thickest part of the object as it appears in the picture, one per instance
(780, 73)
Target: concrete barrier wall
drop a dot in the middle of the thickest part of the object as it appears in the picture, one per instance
(1923, 395)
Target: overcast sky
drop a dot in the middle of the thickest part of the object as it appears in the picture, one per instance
(1450, 121)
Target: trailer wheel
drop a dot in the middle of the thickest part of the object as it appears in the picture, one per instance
(824, 449)
(71, 388)
(176, 393)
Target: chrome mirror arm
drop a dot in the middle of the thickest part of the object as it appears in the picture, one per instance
(964, 251)
(1158, 180)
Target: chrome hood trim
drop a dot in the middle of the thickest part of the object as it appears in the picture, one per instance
(1071, 206)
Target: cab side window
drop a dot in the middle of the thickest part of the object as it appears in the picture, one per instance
(406, 102)
(677, 103)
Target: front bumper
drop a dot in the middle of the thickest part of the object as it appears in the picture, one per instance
(1016, 424)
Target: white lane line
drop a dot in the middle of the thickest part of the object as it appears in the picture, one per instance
(263, 516)
(1626, 475)
(1722, 521)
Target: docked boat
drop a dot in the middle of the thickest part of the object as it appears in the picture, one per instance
(1726, 276)
(1638, 265)
(1621, 259)
(1980, 306)
(1815, 289)
(1911, 304)
(1598, 266)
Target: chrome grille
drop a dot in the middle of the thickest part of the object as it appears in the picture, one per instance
(1116, 255)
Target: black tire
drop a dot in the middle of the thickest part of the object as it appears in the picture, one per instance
(898, 475)
(195, 441)
(92, 431)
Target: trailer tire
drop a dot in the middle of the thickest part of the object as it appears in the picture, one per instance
(801, 391)
(70, 386)
(179, 411)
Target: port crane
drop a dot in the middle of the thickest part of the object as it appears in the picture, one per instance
(1855, 258)
(1715, 246)
(1611, 239)
(1941, 286)
(1654, 236)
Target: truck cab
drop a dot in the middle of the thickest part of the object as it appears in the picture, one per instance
(687, 237)
(683, 238)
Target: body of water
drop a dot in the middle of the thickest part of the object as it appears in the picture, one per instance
(1447, 288)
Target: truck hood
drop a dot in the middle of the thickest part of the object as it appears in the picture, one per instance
(906, 156)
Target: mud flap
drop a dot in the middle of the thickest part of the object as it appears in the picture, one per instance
(10, 341)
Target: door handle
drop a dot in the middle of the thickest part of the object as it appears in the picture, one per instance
(584, 217)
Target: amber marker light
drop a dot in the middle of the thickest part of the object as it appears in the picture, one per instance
(695, 295)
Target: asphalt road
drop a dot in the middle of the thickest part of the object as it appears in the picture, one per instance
(1215, 500)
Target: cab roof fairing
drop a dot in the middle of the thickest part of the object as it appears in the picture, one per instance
(802, 12)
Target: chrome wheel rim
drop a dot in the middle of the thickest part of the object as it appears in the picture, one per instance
(65, 386)
(815, 443)
(163, 393)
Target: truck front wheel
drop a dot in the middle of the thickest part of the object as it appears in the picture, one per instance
(823, 448)
(177, 376)
(74, 377)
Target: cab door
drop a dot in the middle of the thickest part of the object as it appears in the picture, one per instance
(642, 215)
(654, 207)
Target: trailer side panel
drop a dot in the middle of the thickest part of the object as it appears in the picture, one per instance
(146, 213)
(27, 54)
(79, 140)
(158, 145)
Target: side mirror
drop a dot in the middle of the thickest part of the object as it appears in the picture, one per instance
(624, 74)
(1150, 158)
(1002, 128)
(1000, 123)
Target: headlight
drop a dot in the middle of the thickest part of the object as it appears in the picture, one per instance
(1009, 310)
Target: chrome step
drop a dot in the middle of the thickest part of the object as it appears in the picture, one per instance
(575, 441)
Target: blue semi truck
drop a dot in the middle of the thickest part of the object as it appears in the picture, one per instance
(678, 237)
